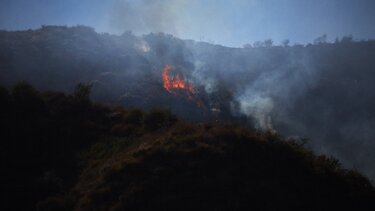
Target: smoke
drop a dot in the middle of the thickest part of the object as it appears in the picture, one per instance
(256, 99)
(145, 16)
(142, 46)
(258, 107)
(272, 89)
(201, 76)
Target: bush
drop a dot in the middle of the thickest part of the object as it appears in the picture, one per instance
(125, 130)
(82, 91)
(134, 116)
(157, 118)
(27, 100)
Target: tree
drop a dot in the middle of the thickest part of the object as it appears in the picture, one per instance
(268, 43)
(347, 39)
(320, 40)
(27, 99)
(285, 42)
(247, 45)
(258, 44)
(82, 91)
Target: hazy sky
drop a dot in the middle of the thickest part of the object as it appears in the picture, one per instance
(226, 22)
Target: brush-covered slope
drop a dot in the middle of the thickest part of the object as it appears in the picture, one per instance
(215, 167)
(63, 152)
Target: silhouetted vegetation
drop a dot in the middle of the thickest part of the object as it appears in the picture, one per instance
(64, 152)
(42, 132)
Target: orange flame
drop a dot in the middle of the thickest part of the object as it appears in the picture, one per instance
(178, 84)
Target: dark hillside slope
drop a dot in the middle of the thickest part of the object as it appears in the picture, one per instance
(63, 152)
(213, 167)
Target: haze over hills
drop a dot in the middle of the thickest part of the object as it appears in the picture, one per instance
(321, 91)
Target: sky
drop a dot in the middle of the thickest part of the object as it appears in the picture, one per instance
(226, 22)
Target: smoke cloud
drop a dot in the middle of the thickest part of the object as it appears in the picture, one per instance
(145, 16)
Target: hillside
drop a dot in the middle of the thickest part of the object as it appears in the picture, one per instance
(321, 91)
(64, 152)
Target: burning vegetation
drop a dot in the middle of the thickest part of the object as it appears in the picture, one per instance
(175, 84)
(172, 84)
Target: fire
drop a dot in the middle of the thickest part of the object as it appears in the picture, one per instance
(176, 85)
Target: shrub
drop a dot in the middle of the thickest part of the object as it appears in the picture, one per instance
(157, 118)
(82, 91)
(27, 100)
(125, 130)
(134, 116)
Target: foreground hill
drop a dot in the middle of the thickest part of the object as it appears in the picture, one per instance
(63, 152)
(214, 167)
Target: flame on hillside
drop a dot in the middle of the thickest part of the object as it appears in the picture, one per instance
(177, 85)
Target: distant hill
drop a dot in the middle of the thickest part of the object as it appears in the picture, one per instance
(63, 152)
(321, 91)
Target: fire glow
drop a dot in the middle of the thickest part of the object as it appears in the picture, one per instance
(177, 85)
